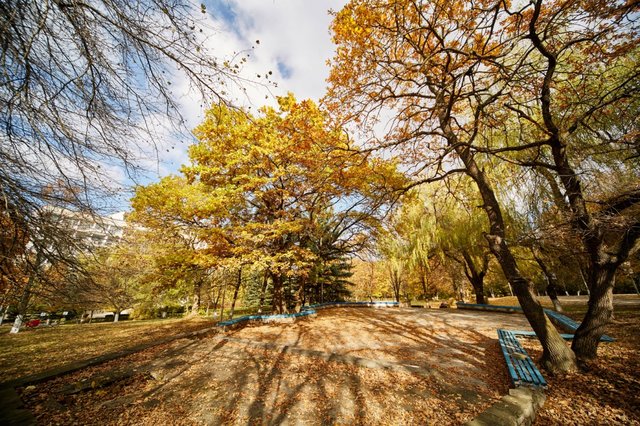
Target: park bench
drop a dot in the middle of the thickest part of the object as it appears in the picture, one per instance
(522, 370)
(560, 320)
(569, 324)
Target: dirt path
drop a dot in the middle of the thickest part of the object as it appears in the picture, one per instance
(345, 366)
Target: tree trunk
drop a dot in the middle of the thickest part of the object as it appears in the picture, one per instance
(552, 282)
(478, 289)
(217, 299)
(277, 303)
(475, 276)
(116, 316)
(224, 293)
(584, 281)
(423, 280)
(556, 355)
(286, 295)
(235, 292)
(23, 304)
(17, 323)
(552, 291)
(197, 288)
(300, 296)
(599, 313)
(263, 291)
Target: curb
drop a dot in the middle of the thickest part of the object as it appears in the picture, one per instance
(518, 408)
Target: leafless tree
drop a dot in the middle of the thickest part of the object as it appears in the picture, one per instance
(81, 85)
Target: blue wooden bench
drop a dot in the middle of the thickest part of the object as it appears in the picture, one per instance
(522, 370)
(569, 324)
(557, 318)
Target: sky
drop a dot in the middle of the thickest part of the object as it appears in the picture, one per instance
(290, 38)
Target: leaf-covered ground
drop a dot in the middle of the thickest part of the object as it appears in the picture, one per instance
(44, 348)
(609, 394)
(345, 366)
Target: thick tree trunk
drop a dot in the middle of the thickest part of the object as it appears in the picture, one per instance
(552, 291)
(286, 294)
(396, 283)
(217, 299)
(235, 292)
(478, 288)
(476, 276)
(423, 282)
(278, 302)
(556, 355)
(599, 313)
(116, 316)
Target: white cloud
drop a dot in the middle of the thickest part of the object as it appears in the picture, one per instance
(294, 44)
(294, 33)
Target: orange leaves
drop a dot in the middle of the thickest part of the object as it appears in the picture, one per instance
(265, 183)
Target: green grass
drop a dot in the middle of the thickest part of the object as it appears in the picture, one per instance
(40, 349)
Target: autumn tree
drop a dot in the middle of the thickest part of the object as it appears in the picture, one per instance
(85, 86)
(180, 251)
(463, 78)
(395, 249)
(581, 130)
(368, 279)
(280, 192)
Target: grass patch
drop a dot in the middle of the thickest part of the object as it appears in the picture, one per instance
(40, 349)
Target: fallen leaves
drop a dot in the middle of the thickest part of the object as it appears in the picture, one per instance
(235, 383)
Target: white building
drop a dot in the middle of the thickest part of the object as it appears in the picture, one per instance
(93, 230)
